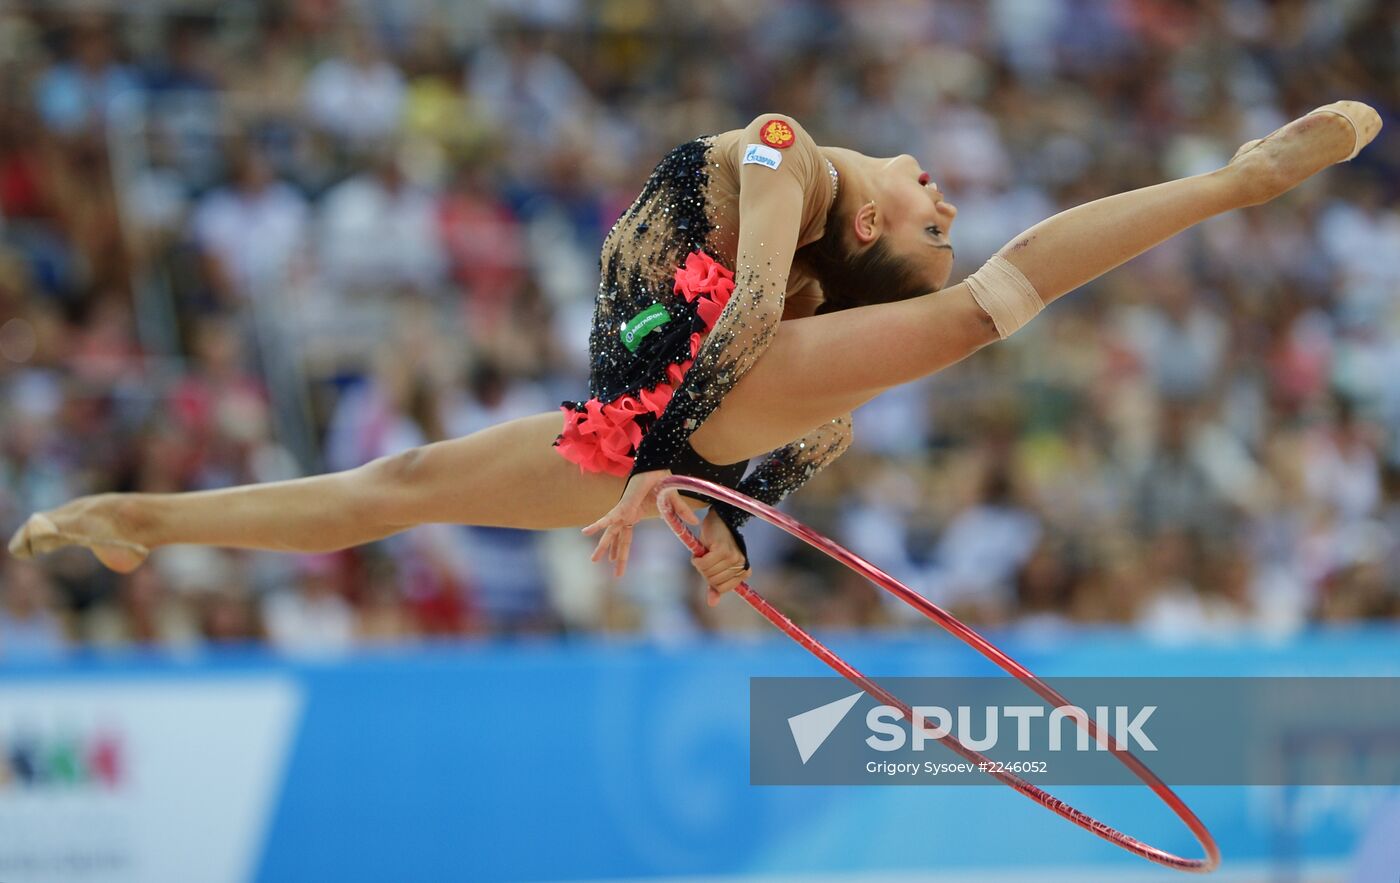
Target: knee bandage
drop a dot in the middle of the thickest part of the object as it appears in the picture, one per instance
(1005, 294)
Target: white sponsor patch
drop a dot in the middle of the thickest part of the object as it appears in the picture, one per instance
(763, 156)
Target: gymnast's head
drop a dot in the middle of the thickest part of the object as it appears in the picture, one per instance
(887, 236)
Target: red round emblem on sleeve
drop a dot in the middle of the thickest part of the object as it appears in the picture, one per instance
(776, 133)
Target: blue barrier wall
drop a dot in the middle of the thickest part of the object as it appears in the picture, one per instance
(596, 760)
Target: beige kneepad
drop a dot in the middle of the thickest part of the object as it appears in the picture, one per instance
(1006, 295)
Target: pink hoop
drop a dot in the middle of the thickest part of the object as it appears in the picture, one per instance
(972, 639)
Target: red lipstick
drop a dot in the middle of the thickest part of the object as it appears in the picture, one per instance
(924, 179)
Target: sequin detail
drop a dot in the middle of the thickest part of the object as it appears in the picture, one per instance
(603, 436)
(789, 467)
(667, 222)
(672, 219)
(749, 322)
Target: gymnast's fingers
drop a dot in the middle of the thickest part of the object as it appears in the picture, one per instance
(715, 567)
(708, 562)
(624, 546)
(604, 545)
(672, 501)
(727, 581)
(732, 579)
(596, 526)
(607, 543)
(714, 592)
(617, 531)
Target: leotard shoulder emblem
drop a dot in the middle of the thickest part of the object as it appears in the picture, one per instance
(776, 133)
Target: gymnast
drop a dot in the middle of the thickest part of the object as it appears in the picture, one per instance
(716, 339)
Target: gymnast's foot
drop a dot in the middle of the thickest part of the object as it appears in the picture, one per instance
(91, 522)
(1280, 161)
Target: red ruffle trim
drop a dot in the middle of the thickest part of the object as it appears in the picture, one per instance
(604, 437)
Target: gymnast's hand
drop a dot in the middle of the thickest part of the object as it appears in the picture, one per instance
(723, 565)
(616, 526)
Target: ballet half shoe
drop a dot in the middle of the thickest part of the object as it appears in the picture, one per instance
(1364, 120)
(1365, 125)
(40, 535)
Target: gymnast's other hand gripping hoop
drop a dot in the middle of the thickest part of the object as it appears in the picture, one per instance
(972, 639)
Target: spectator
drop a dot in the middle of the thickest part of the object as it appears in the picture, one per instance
(356, 95)
(228, 616)
(383, 616)
(80, 93)
(983, 549)
(529, 92)
(30, 624)
(251, 232)
(1180, 341)
(484, 243)
(1175, 491)
(145, 614)
(378, 233)
(312, 618)
(1341, 467)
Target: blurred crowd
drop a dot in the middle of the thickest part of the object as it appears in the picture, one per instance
(244, 242)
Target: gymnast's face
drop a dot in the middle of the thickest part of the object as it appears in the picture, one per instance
(909, 214)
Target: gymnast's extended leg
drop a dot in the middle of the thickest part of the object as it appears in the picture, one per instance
(506, 476)
(825, 366)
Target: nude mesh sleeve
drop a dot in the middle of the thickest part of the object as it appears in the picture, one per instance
(787, 469)
(770, 212)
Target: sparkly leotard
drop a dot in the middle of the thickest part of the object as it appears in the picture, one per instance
(674, 329)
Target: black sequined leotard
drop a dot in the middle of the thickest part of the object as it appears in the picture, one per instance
(663, 357)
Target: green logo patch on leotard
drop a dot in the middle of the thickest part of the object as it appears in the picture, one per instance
(642, 324)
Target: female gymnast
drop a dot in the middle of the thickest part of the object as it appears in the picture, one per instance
(715, 339)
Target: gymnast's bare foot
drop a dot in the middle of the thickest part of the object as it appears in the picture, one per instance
(1273, 165)
(92, 522)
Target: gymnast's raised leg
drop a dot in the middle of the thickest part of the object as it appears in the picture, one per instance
(817, 369)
